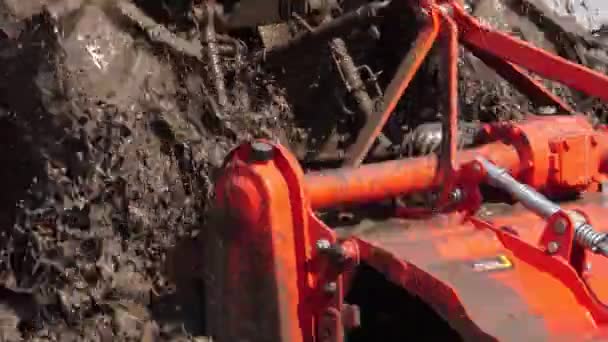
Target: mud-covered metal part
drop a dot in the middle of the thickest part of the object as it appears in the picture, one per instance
(450, 260)
(426, 138)
(584, 233)
(252, 13)
(353, 82)
(158, 33)
(352, 78)
(328, 29)
(213, 54)
(241, 88)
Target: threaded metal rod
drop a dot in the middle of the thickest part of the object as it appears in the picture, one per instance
(591, 239)
(584, 233)
(527, 196)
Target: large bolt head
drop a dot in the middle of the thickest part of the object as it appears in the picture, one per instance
(456, 195)
(330, 288)
(552, 247)
(323, 245)
(261, 151)
(560, 225)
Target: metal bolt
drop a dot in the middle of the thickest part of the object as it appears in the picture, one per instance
(456, 195)
(330, 288)
(261, 151)
(477, 167)
(446, 9)
(560, 226)
(547, 110)
(323, 245)
(552, 247)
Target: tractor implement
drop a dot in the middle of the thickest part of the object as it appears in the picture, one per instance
(537, 271)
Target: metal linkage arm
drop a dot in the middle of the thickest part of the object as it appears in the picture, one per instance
(530, 198)
(584, 233)
(507, 48)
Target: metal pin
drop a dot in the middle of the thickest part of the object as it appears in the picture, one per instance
(323, 245)
(552, 247)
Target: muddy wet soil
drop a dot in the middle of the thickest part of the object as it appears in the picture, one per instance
(110, 140)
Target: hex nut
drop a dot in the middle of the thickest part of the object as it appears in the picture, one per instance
(560, 225)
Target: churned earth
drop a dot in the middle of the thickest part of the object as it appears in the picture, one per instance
(110, 140)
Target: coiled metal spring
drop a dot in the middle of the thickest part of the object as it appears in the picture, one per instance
(587, 236)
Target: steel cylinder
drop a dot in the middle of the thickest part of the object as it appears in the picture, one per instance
(392, 178)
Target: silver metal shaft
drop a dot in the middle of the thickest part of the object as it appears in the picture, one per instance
(584, 233)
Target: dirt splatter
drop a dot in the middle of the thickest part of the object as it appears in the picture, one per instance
(112, 134)
(110, 154)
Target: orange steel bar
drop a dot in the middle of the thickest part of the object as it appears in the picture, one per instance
(524, 54)
(391, 178)
(404, 75)
(525, 83)
(449, 121)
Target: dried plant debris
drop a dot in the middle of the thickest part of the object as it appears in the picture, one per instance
(115, 117)
(111, 155)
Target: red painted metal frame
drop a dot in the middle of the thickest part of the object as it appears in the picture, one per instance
(509, 56)
(266, 275)
(542, 297)
(521, 53)
(270, 282)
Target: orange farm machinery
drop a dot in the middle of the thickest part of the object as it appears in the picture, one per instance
(534, 271)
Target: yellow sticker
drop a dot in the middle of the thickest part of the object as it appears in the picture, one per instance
(500, 262)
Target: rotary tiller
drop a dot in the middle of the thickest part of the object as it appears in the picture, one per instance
(535, 272)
